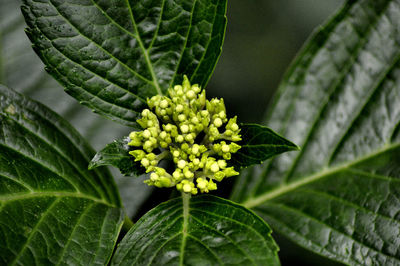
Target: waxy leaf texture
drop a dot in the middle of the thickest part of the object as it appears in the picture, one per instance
(52, 209)
(112, 55)
(340, 195)
(204, 230)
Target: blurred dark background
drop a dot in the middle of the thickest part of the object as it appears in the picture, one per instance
(262, 38)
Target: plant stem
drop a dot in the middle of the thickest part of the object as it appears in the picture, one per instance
(185, 202)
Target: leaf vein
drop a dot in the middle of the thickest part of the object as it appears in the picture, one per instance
(99, 45)
(145, 53)
(312, 218)
(34, 229)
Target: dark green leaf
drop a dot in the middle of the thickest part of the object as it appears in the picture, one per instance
(339, 196)
(205, 230)
(117, 154)
(112, 55)
(17, 60)
(259, 143)
(52, 209)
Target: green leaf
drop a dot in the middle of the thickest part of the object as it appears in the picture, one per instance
(258, 144)
(117, 154)
(17, 60)
(205, 230)
(339, 196)
(112, 55)
(52, 209)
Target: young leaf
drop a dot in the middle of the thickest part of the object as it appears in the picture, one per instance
(258, 144)
(117, 154)
(112, 55)
(205, 231)
(52, 209)
(340, 195)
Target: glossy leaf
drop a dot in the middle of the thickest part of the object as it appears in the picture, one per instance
(117, 154)
(204, 230)
(52, 209)
(258, 144)
(339, 196)
(112, 55)
(17, 59)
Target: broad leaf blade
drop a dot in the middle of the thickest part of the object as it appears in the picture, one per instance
(206, 231)
(258, 144)
(53, 210)
(112, 55)
(339, 196)
(117, 154)
(17, 60)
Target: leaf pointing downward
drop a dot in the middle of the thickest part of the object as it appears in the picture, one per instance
(112, 55)
(339, 196)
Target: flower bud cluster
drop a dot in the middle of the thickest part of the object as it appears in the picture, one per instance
(191, 131)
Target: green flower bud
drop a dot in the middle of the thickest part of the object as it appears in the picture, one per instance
(181, 164)
(184, 127)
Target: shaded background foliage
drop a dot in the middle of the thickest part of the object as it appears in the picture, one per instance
(262, 38)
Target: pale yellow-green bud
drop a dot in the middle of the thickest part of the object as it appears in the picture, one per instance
(181, 117)
(184, 127)
(179, 108)
(177, 174)
(211, 185)
(230, 172)
(163, 135)
(234, 147)
(187, 173)
(189, 138)
(222, 164)
(190, 94)
(135, 142)
(225, 148)
(214, 167)
(154, 177)
(181, 164)
(145, 112)
(219, 176)
(187, 188)
(201, 183)
(164, 104)
(234, 127)
(218, 122)
(146, 134)
(138, 154)
(145, 162)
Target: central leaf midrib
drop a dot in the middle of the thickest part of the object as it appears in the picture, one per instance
(276, 192)
(145, 53)
(185, 44)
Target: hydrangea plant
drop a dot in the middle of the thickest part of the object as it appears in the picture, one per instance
(146, 64)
